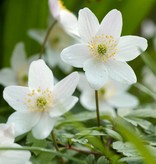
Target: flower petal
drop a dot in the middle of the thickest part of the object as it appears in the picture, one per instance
(96, 73)
(69, 22)
(130, 47)
(87, 24)
(6, 134)
(15, 97)
(18, 57)
(62, 106)
(54, 8)
(123, 100)
(7, 77)
(14, 156)
(23, 121)
(37, 35)
(87, 99)
(40, 76)
(76, 55)
(44, 126)
(121, 72)
(67, 86)
(83, 84)
(111, 24)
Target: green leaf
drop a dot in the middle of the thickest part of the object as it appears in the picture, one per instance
(129, 134)
(90, 159)
(113, 134)
(102, 160)
(126, 149)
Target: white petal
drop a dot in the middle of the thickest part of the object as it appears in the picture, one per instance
(130, 47)
(96, 73)
(76, 55)
(23, 121)
(37, 35)
(87, 24)
(106, 109)
(6, 134)
(19, 57)
(7, 77)
(123, 100)
(121, 72)
(15, 97)
(44, 126)
(87, 99)
(111, 24)
(69, 22)
(67, 86)
(83, 84)
(14, 156)
(66, 68)
(32, 58)
(54, 8)
(62, 106)
(40, 75)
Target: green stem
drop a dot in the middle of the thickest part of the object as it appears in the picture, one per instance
(97, 107)
(43, 150)
(56, 146)
(46, 38)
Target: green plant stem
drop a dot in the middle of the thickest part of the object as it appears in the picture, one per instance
(46, 38)
(97, 107)
(56, 146)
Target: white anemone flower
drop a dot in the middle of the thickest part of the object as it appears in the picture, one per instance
(103, 53)
(58, 39)
(7, 140)
(39, 105)
(18, 73)
(66, 18)
(111, 95)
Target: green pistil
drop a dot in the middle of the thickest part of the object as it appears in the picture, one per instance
(102, 92)
(102, 49)
(25, 78)
(41, 102)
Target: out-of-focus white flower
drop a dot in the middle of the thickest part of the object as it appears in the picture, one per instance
(103, 53)
(111, 95)
(7, 140)
(39, 105)
(57, 41)
(148, 29)
(18, 73)
(66, 18)
(149, 79)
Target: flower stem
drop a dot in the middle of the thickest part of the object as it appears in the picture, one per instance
(97, 107)
(56, 146)
(45, 39)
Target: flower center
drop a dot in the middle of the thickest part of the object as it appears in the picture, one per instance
(103, 47)
(39, 101)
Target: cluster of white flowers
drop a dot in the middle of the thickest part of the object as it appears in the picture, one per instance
(102, 53)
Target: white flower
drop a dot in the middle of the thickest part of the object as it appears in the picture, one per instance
(18, 73)
(67, 19)
(39, 105)
(103, 53)
(111, 95)
(57, 41)
(7, 140)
